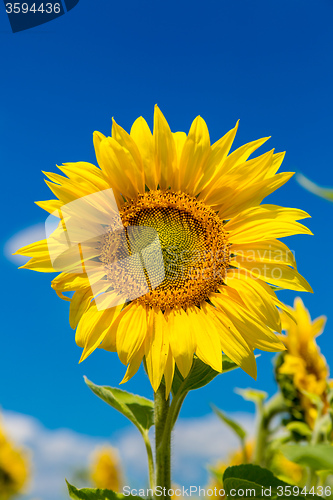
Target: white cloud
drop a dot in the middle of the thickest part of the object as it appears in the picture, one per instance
(57, 454)
(22, 238)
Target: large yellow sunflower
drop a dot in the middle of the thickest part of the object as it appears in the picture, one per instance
(197, 277)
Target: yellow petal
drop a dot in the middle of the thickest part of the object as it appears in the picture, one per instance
(232, 200)
(36, 249)
(318, 325)
(165, 150)
(85, 173)
(256, 333)
(51, 206)
(130, 148)
(68, 282)
(218, 154)
(264, 251)
(236, 158)
(207, 338)
(156, 347)
(241, 154)
(257, 300)
(195, 154)
(233, 344)
(120, 169)
(134, 365)
(144, 141)
(79, 305)
(276, 164)
(131, 333)
(278, 275)
(98, 137)
(94, 326)
(65, 195)
(179, 139)
(109, 341)
(264, 223)
(182, 341)
(41, 264)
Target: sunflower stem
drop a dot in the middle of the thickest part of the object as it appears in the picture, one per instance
(163, 441)
(265, 414)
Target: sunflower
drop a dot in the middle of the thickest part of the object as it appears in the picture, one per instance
(303, 370)
(105, 468)
(175, 254)
(13, 468)
(237, 457)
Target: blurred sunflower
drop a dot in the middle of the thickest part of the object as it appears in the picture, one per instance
(13, 468)
(302, 370)
(218, 249)
(105, 469)
(237, 457)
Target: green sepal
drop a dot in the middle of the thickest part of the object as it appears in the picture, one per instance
(238, 429)
(253, 477)
(94, 493)
(316, 456)
(200, 375)
(139, 410)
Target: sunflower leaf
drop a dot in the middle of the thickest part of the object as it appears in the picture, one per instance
(317, 457)
(323, 192)
(300, 428)
(200, 375)
(93, 493)
(139, 410)
(257, 483)
(252, 395)
(238, 429)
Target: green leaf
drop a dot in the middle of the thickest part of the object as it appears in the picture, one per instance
(252, 395)
(241, 433)
(94, 494)
(139, 410)
(300, 427)
(200, 374)
(252, 479)
(323, 192)
(317, 456)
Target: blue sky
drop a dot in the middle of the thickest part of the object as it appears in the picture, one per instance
(268, 64)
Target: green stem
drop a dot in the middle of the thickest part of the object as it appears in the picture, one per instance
(163, 441)
(151, 466)
(266, 413)
(243, 446)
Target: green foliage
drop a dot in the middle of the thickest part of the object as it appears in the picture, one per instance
(316, 456)
(323, 192)
(254, 478)
(241, 433)
(252, 395)
(139, 410)
(93, 494)
(200, 375)
(300, 428)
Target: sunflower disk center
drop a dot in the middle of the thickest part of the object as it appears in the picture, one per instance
(192, 244)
